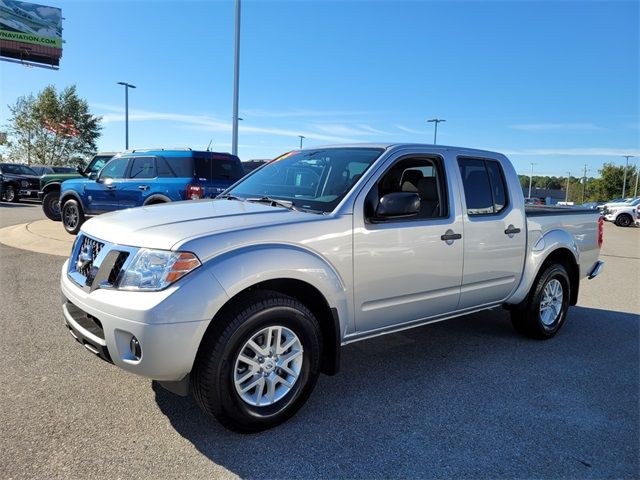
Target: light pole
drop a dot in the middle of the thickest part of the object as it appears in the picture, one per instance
(302, 137)
(584, 181)
(624, 179)
(435, 133)
(635, 193)
(127, 86)
(531, 178)
(566, 195)
(236, 80)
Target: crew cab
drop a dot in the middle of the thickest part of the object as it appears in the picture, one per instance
(147, 177)
(50, 183)
(245, 299)
(18, 181)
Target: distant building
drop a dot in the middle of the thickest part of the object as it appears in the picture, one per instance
(549, 195)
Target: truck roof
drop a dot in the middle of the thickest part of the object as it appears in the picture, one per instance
(396, 145)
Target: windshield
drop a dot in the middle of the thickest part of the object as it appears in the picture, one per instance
(311, 179)
(97, 163)
(17, 169)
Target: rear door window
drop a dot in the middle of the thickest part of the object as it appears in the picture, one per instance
(182, 166)
(484, 186)
(143, 167)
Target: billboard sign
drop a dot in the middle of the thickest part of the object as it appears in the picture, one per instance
(30, 32)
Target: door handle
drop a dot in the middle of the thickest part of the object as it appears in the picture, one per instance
(511, 230)
(110, 187)
(450, 236)
(143, 187)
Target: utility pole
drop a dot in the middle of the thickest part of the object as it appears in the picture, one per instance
(635, 192)
(624, 179)
(435, 133)
(584, 181)
(531, 179)
(236, 81)
(566, 195)
(302, 137)
(127, 86)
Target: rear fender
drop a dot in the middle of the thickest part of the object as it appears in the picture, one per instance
(543, 247)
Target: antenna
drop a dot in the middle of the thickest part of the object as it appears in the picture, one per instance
(208, 146)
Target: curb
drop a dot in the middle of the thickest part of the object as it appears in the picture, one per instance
(41, 236)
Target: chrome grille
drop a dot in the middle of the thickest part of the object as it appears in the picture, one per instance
(89, 250)
(117, 267)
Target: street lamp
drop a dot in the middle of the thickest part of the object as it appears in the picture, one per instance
(624, 179)
(302, 137)
(126, 86)
(236, 80)
(566, 195)
(531, 178)
(436, 121)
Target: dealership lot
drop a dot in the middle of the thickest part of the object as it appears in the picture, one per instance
(464, 398)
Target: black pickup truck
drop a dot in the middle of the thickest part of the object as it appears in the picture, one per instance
(18, 181)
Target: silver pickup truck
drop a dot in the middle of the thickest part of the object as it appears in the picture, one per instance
(246, 299)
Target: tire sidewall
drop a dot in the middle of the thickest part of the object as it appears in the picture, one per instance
(72, 204)
(47, 201)
(13, 198)
(559, 273)
(308, 334)
(624, 220)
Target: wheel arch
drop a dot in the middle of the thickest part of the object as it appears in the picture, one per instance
(50, 187)
(68, 195)
(155, 199)
(555, 246)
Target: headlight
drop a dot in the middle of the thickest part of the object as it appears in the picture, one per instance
(157, 269)
(611, 211)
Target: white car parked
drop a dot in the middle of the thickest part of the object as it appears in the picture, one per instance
(622, 214)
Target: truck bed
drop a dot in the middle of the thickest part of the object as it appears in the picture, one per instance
(540, 210)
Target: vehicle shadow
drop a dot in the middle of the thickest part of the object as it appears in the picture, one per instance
(463, 398)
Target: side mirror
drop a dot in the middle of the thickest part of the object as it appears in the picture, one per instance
(398, 204)
(93, 175)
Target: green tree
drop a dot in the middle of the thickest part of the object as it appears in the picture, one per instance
(51, 128)
(611, 178)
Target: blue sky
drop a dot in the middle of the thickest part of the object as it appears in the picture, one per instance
(555, 83)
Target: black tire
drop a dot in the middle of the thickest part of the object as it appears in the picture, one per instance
(10, 194)
(72, 216)
(51, 205)
(528, 319)
(624, 220)
(212, 378)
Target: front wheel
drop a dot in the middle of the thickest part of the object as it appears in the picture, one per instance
(624, 220)
(545, 311)
(10, 194)
(72, 216)
(259, 362)
(51, 206)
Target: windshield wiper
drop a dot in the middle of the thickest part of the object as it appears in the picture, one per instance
(228, 196)
(274, 202)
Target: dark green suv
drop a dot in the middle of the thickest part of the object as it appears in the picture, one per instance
(50, 184)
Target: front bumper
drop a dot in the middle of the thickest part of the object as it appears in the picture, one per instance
(40, 195)
(168, 324)
(26, 193)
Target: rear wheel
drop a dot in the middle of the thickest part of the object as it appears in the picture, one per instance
(545, 311)
(72, 216)
(51, 205)
(259, 363)
(624, 220)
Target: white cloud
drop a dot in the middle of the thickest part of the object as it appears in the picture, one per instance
(575, 152)
(410, 130)
(342, 129)
(297, 113)
(537, 127)
(212, 124)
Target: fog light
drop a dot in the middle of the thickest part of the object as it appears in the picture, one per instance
(136, 349)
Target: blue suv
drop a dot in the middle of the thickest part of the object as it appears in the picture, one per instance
(147, 177)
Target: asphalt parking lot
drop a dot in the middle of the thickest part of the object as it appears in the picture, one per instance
(466, 398)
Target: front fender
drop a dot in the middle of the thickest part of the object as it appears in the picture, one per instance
(242, 268)
(544, 246)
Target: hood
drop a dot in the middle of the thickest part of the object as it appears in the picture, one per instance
(163, 226)
(59, 176)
